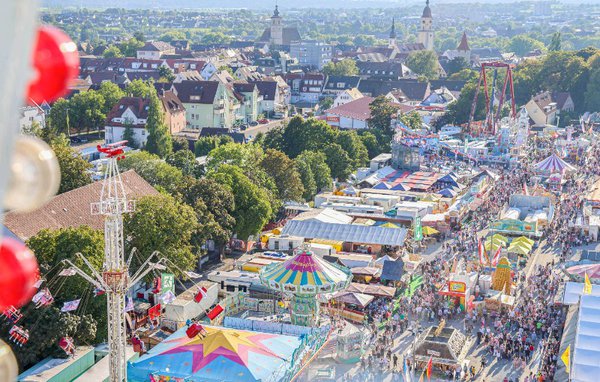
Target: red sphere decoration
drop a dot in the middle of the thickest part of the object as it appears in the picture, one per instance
(18, 273)
(56, 63)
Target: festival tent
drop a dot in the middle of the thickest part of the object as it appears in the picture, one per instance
(382, 186)
(428, 231)
(519, 248)
(447, 192)
(353, 298)
(222, 354)
(383, 259)
(523, 239)
(349, 191)
(497, 237)
(553, 164)
(392, 270)
(489, 246)
(592, 270)
(389, 225)
(372, 289)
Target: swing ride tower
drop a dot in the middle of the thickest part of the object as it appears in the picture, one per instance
(114, 278)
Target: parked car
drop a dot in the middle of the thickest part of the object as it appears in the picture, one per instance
(278, 116)
(243, 127)
(263, 121)
(75, 140)
(253, 123)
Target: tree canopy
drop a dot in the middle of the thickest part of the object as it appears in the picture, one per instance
(73, 168)
(425, 63)
(345, 67)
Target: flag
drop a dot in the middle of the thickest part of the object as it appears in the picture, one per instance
(128, 304)
(587, 285)
(157, 284)
(66, 344)
(167, 297)
(68, 272)
(566, 358)
(99, 292)
(70, 306)
(200, 295)
(482, 254)
(496, 256)
(429, 368)
(42, 298)
(192, 275)
(38, 283)
(154, 312)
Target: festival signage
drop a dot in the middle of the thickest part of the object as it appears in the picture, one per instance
(457, 286)
(333, 118)
(418, 229)
(168, 282)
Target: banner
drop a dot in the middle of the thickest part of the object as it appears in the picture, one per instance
(70, 306)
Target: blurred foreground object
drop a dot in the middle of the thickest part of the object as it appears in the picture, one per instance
(8, 364)
(18, 273)
(56, 61)
(34, 175)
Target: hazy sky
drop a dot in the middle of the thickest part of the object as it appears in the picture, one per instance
(256, 4)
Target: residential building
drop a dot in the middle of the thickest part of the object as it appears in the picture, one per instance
(251, 99)
(383, 70)
(305, 87)
(425, 35)
(311, 53)
(30, 115)
(269, 101)
(154, 50)
(347, 96)
(207, 104)
(338, 84)
(542, 109)
(351, 115)
(174, 110)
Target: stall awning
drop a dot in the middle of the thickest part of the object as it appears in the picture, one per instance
(346, 232)
(392, 270)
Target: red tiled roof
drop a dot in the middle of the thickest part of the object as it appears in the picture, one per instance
(72, 209)
(358, 109)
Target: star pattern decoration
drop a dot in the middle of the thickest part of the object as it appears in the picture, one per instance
(230, 344)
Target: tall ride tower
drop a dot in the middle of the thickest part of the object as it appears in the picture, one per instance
(114, 279)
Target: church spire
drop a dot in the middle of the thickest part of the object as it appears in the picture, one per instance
(464, 44)
(393, 31)
(276, 13)
(426, 10)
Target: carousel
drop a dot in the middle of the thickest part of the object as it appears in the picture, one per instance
(304, 277)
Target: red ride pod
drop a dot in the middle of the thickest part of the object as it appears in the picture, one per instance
(56, 63)
(18, 273)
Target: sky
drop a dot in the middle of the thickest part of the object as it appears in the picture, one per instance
(253, 4)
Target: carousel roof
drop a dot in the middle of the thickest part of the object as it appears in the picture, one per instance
(305, 273)
(554, 164)
(222, 354)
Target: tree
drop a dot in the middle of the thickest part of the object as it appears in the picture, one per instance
(219, 202)
(413, 120)
(130, 47)
(58, 121)
(171, 35)
(159, 138)
(326, 103)
(273, 139)
(139, 88)
(370, 142)
(522, 44)
(252, 208)
(592, 94)
(159, 174)
(226, 68)
(460, 110)
(205, 145)
(382, 111)
(160, 223)
(185, 161)
(111, 93)
(129, 136)
(354, 147)
(73, 168)
(345, 67)
(139, 36)
(464, 75)
(338, 161)
(180, 143)
(86, 111)
(166, 74)
(283, 171)
(112, 52)
(425, 63)
(555, 43)
(456, 65)
(300, 135)
(314, 172)
(215, 38)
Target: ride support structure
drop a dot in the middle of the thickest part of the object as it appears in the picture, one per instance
(115, 279)
(492, 117)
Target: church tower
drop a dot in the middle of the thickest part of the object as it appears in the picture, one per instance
(276, 28)
(392, 41)
(463, 49)
(426, 29)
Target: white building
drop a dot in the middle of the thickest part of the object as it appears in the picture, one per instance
(425, 35)
(347, 96)
(31, 114)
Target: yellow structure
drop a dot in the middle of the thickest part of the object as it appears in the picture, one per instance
(502, 275)
(337, 245)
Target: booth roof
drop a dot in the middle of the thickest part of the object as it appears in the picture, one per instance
(346, 232)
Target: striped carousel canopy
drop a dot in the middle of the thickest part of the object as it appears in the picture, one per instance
(305, 273)
(554, 164)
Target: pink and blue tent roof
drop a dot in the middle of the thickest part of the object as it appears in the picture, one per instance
(382, 186)
(447, 192)
(553, 164)
(223, 354)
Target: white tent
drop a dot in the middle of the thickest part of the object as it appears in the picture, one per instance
(585, 364)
